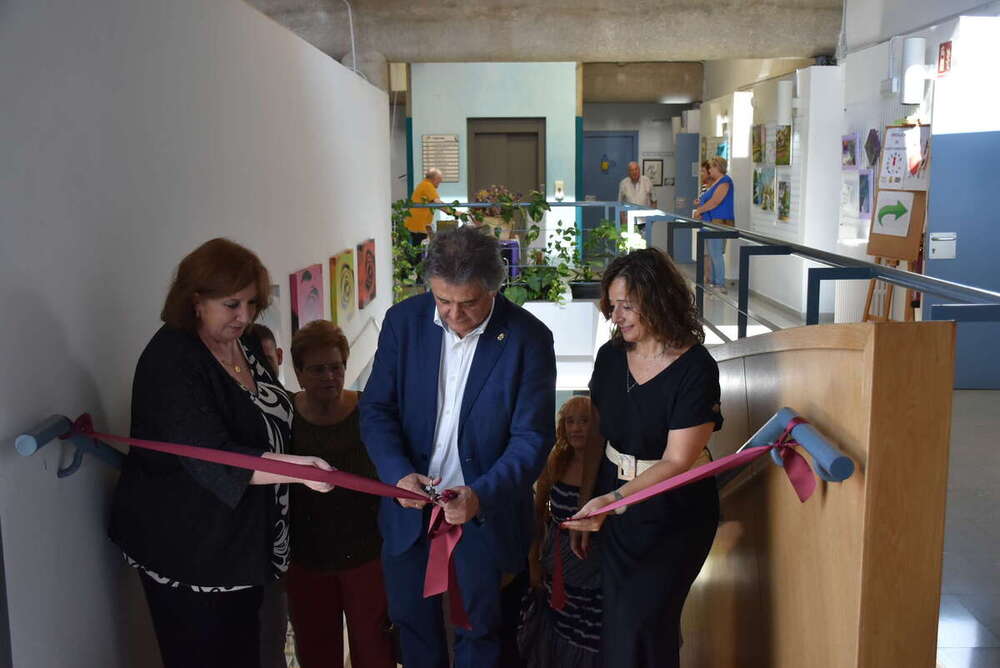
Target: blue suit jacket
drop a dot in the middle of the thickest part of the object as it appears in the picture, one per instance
(506, 427)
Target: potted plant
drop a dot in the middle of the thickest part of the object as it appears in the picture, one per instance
(406, 258)
(505, 216)
(602, 244)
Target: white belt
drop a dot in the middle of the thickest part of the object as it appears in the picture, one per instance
(629, 467)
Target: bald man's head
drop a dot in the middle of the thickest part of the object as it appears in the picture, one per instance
(434, 175)
(633, 171)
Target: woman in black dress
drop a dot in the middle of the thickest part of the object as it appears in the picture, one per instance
(207, 538)
(655, 393)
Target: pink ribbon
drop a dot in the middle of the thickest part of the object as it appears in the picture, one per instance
(444, 539)
(800, 475)
(440, 574)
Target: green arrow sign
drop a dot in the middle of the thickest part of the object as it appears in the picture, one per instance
(896, 209)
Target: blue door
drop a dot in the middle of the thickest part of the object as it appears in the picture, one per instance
(967, 207)
(686, 154)
(605, 163)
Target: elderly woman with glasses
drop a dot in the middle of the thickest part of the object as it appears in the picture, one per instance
(335, 569)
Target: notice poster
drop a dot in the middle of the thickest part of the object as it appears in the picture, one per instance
(906, 158)
(893, 211)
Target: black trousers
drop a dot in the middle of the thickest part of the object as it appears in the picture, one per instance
(644, 593)
(204, 629)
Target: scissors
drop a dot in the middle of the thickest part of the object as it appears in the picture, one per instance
(439, 497)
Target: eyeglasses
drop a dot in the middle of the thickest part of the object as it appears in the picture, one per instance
(323, 369)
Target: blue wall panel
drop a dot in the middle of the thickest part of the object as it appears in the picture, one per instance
(965, 199)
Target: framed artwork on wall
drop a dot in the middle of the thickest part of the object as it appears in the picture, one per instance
(873, 147)
(653, 168)
(784, 200)
(849, 151)
(343, 298)
(865, 188)
(306, 295)
(767, 188)
(366, 273)
(783, 145)
(757, 143)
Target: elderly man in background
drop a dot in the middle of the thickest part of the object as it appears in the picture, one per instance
(636, 188)
(419, 221)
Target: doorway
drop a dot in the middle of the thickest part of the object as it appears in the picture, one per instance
(508, 152)
(606, 155)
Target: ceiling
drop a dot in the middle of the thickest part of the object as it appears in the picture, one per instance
(565, 30)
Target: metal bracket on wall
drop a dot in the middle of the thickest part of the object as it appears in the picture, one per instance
(61, 427)
(817, 274)
(965, 312)
(743, 306)
(678, 225)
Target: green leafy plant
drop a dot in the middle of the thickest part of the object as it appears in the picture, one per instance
(407, 259)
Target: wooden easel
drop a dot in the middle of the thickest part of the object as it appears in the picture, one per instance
(890, 250)
(880, 295)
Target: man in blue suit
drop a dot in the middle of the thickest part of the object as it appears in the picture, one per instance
(461, 397)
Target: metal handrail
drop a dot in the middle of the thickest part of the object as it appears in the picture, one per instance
(901, 277)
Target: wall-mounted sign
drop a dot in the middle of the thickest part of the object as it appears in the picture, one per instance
(441, 151)
(944, 58)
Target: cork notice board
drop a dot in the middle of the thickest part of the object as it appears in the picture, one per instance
(897, 225)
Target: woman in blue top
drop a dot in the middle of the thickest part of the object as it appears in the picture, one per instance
(716, 205)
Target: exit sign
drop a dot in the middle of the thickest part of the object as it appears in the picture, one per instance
(944, 58)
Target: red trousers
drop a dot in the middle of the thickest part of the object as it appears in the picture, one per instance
(317, 600)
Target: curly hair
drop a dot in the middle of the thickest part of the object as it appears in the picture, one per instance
(660, 294)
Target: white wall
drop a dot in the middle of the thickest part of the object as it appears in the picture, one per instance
(722, 77)
(446, 95)
(873, 21)
(813, 175)
(132, 131)
(656, 137)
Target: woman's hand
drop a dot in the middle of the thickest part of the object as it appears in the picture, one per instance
(591, 523)
(264, 478)
(579, 543)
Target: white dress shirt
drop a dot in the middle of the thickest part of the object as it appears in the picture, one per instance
(456, 361)
(640, 192)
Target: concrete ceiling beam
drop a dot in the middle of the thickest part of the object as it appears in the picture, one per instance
(581, 30)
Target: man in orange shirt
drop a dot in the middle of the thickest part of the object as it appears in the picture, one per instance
(419, 220)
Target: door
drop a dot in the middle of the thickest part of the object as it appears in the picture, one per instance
(605, 163)
(685, 189)
(508, 152)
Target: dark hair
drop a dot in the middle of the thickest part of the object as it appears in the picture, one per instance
(217, 268)
(660, 293)
(464, 255)
(316, 335)
(262, 332)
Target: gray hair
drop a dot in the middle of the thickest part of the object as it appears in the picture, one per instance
(432, 172)
(463, 255)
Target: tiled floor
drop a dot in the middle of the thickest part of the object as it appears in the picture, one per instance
(969, 627)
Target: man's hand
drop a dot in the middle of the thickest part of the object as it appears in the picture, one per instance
(416, 483)
(463, 507)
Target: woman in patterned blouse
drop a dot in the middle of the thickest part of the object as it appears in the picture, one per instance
(205, 538)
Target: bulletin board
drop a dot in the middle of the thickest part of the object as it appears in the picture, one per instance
(899, 206)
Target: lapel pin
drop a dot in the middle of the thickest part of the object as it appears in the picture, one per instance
(500, 336)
